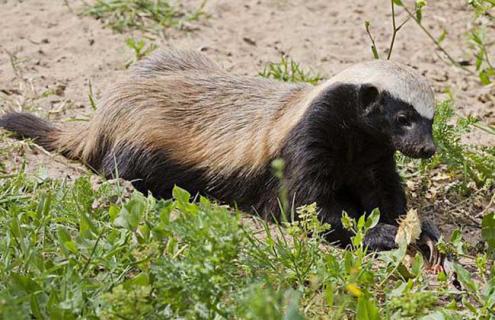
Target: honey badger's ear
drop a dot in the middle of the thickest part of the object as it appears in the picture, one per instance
(368, 94)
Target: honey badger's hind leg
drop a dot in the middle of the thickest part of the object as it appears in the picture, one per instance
(151, 170)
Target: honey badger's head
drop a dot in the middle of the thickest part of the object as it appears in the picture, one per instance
(395, 103)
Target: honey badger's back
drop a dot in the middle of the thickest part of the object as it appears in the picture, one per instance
(178, 118)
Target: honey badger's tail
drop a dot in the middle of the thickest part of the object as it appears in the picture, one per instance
(45, 134)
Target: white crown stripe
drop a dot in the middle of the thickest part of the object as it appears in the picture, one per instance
(400, 81)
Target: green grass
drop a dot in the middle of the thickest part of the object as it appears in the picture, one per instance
(124, 15)
(78, 250)
(290, 71)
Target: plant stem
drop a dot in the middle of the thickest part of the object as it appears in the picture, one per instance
(487, 56)
(374, 50)
(437, 44)
(395, 29)
(394, 32)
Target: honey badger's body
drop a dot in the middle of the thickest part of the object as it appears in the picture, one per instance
(178, 119)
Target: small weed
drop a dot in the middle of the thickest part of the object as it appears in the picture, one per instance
(91, 96)
(25, 95)
(140, 50)
(122, 15)
(290, 71)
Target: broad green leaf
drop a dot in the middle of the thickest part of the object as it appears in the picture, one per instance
(181, 195)
(142, 279)
(165, 212)
(329, 294)
(437, 315)
(484, 78)
(293, 312)
(24, 283)
(488, 229)
(373, 219)
(113, 212)
(465, 278)
(361, 222)
(367, 309)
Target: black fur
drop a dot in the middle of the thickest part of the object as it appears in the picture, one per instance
(154, 171)
(28, 126)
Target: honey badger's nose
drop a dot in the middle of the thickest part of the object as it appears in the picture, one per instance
(428, 150)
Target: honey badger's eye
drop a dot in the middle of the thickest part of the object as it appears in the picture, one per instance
(403, 120)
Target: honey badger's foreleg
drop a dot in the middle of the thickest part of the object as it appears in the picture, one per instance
(381, 188)
(378, 186)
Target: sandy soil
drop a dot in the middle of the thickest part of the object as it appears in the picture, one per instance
(49, 53)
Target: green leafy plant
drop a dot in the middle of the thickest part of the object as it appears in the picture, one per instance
(122, 15)
(481, 44)
(469, 162)
(289, 71)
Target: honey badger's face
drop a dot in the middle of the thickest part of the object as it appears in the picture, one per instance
(399, 122)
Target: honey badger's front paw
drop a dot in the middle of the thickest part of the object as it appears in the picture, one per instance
(381, 237)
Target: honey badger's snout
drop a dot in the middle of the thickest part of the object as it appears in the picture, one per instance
(420, 147)
(417, 140)
(428, 149)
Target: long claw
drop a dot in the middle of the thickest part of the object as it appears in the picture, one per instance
(435, 258)
(431, 246)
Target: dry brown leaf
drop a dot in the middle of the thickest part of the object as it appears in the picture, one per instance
(409, 228)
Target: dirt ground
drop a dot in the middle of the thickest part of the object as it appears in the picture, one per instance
(50, 53)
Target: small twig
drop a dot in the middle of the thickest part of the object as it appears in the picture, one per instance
(14, 61)
(488, 206)
(91, 96)
(373, 45)
(403, 23)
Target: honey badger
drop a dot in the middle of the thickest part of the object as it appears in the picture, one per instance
(179, 119)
